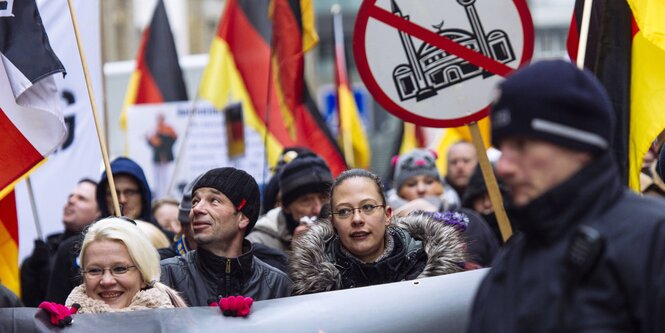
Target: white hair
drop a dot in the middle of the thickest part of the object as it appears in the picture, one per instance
(142, 252)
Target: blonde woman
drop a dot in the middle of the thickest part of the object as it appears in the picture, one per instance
(120, 271)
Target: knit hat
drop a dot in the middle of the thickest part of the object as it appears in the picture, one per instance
(271, 189)
(237, 185)
(304, 175)
(186, 203)
(556, 102)
(417, 162)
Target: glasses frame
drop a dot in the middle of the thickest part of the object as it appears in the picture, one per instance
(359, 209)
(87, 273)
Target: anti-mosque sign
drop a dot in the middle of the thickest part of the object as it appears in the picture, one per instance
(436, 63)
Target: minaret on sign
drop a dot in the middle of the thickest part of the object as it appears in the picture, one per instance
(477, 28)
(432, 68)
(424, 91)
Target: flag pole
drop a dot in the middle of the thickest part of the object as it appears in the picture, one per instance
(338, 37)
(266, 150)
(33, 206)
(584, 33)
(105, 107)
(93, 105)
(490, 182)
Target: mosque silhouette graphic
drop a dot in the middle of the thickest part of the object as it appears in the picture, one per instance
(431, 69)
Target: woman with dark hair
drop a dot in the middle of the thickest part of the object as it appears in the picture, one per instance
(361, 245)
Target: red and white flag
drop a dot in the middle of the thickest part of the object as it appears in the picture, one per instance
(30, 120)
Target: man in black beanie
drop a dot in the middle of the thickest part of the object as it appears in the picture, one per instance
(225, 207)
(304, 185)
(588, 254)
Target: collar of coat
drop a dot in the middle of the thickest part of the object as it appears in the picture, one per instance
(152, 298)
(216, 267)
(585, 195)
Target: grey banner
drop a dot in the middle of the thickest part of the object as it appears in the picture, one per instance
(438, 304)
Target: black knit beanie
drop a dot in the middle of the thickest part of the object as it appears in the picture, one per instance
(304, 175)
(556, 102)
(237, 185)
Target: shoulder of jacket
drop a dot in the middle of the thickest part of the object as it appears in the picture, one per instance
(269, 272)
(309, 266)
(444, 244)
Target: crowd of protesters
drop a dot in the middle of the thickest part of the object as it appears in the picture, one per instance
(584, 256)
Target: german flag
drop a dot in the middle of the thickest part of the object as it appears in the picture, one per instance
(158, 76)
(9, 243)
(259, 62)
(626, 55)
(352, 136)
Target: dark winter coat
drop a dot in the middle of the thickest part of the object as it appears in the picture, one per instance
(65, 275)
(200, 277)
(36, 268)
(422, 248)
(540, 284)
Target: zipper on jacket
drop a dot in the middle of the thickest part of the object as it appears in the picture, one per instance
(228, 277)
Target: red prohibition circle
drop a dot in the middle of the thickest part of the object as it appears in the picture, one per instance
(368, 10)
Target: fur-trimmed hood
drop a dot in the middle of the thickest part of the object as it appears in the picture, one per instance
(145, 299)
(312, 268)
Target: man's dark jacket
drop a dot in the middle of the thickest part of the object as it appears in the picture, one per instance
(36, 268)
(538, 283)
(200, 277)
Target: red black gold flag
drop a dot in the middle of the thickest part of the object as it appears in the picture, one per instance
(352, 136)
(626, 55)
(158, 76)
(259, 62)
(608, 56)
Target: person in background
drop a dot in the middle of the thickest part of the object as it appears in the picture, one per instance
(79, 211)
(156, 236)
(476, 198)
(417, 183)
(304, 186)
(589, 253)
(184, 241)
(461, 161)
(417, 186)
(120, 271)
(225, 207)
(132, 188)
(165, 212)
(360, 246)
(651, 177)
(272, 197)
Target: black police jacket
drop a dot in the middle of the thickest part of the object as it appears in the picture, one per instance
(558, 276)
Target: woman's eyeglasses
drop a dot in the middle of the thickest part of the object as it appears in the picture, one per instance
(95, 272)
(367, 210)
